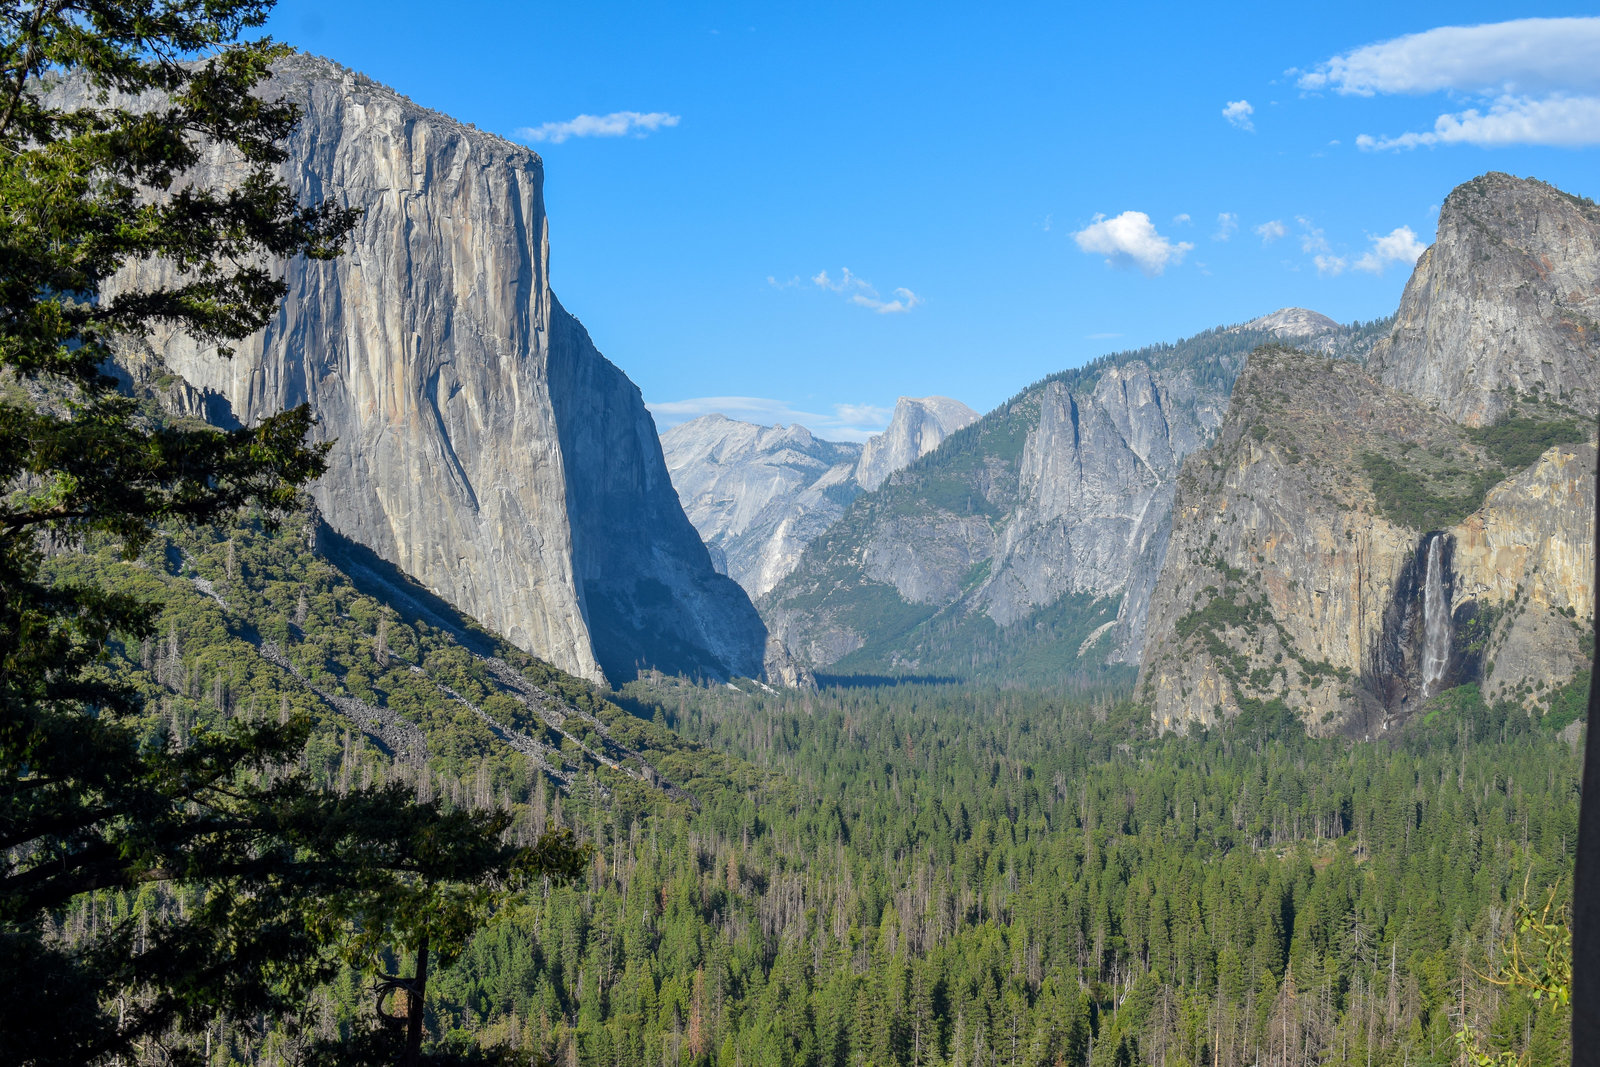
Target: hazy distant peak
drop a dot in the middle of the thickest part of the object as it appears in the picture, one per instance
(1292, 322)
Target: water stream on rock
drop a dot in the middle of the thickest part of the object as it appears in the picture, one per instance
(1435, 621)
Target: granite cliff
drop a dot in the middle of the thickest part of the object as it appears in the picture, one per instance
(483, 445)
(760, 494)
(1504, 308)
(1026, 546)
(1360, 540)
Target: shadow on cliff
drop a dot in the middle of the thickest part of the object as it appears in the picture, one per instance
(651, 597)
(378, 578)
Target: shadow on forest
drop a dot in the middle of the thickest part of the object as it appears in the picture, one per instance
(378, 578)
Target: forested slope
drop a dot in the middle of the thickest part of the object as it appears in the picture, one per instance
(896, 875)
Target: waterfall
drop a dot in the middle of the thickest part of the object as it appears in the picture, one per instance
(1435, 621)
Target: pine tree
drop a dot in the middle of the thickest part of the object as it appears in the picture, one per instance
(267, 877)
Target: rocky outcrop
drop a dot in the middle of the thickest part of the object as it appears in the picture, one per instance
(758, 494)
(1504, 308)
(1292, 324)
(1529, 551)
(1358, 541)
(481, 443)
(918, 426)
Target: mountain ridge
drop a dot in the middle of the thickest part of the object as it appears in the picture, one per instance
(1033, 535)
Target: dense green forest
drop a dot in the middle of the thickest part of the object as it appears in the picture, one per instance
(887, 875)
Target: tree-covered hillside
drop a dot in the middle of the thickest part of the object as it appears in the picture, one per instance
(892, 875)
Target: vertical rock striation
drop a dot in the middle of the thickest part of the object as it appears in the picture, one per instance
(482, 444)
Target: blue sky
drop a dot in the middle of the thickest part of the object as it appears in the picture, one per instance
(809, 210)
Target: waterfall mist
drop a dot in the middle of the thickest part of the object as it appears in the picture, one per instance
(1435, 621)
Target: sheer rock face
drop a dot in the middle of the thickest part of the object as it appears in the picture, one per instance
(918, 426)
(758, 494)
(1035, 533)
(1506, 304)
(481, 443)
(1095, 494)
(1295, 575)
(653, 598)
(1530, 550)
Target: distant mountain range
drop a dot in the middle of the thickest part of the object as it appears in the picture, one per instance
(1025, 548)
(760, 494)
(1287, 516)
(1032, 546)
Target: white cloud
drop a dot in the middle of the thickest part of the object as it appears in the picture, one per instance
(1534, 81)
(1329, 265)
(1398, 246)
(1311, 238)
(847, 422)
(616, 124)
(1131, 238)
(1523, 55)
(1227, 226)
(1182, 220)
(904, 300)
(1238, 114)
(1271, 231)
(1565, 121)
(862, 293)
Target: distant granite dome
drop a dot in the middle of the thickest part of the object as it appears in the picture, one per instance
(1290, 323)
(482, 443)
(758, 494)
(919, 425)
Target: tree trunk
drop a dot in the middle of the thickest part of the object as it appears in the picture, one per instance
(419, 987)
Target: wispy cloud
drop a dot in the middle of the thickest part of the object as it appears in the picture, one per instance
(1535, 82)
(1564, 121)
(1271, 231)
(859, 291)
(1400, 245)
(1238, 114)
(1527, 55)
(1227, 226)
(1131, 238)
(1312, 239)
(616, 124)
(1329, 265)
(846, 422)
